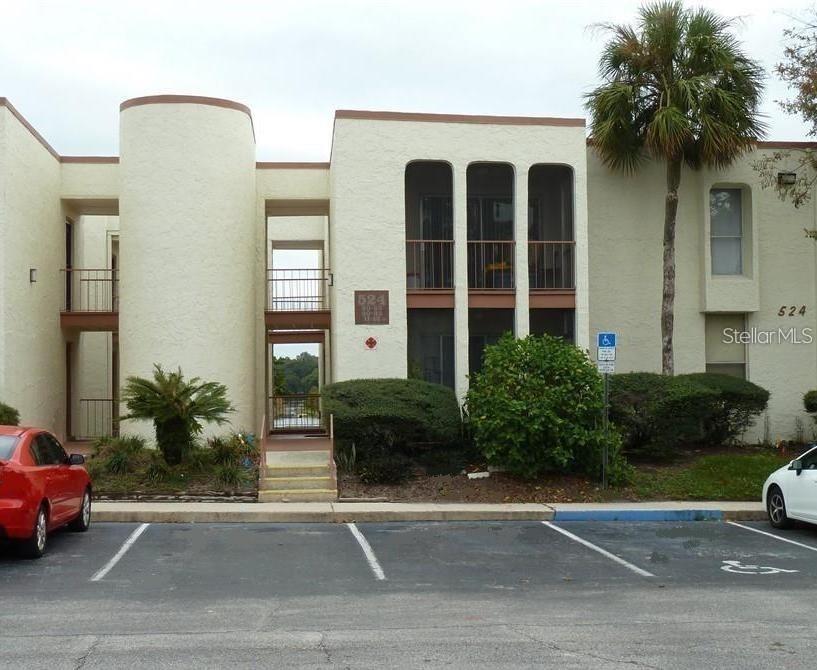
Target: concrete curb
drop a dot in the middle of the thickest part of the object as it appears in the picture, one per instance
(345, 512)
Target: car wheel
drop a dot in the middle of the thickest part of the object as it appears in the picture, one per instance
(776, 508)
(83, 520)
(34, 547)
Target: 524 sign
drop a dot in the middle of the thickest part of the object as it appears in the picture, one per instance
(791, 310)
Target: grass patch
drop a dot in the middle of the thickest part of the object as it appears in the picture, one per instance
(715, 477)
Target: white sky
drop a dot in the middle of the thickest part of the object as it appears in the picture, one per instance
(66, 66)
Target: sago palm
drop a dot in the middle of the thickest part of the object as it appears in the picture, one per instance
(176, 406)
(677, 88)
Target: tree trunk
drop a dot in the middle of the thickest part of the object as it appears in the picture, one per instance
(668, 293)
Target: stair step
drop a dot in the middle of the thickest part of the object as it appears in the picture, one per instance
(295, 483)
(298, 495)
(298, 471)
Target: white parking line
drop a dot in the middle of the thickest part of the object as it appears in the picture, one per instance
(601, 551)
(100, 574)
(371, 559)
(776, 537)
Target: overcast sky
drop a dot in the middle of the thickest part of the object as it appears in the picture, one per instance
(66, 66)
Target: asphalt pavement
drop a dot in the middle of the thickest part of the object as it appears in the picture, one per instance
(459, 594)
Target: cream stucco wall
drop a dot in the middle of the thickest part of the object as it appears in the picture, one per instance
(32, 350)
(369, 157)
(189, 247)
(626, 227)
(89, 181)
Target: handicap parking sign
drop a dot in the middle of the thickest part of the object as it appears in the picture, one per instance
(607, 339)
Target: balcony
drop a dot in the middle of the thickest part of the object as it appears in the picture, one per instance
(429, 265)
(491, 265)
(552, 274)
(298, 298)
(551, 265)
(90, 299)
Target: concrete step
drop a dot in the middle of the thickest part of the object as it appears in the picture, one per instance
(298, 495)
(294, 471)
(296, 459)
(296, 483)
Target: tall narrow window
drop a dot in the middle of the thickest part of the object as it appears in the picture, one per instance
(726, 230)
(725, 353)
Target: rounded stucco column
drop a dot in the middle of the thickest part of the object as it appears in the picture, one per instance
(187, 245)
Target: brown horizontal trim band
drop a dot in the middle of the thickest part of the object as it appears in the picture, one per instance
(4, 102)
(310, 320)
(296, 337)
(430, 300)
(266, 165)
(90, 321)
(765, 144)
(771, 144)
(460, 118)
(492, 299)
(552, 300)
(90, 159)
(184, 99)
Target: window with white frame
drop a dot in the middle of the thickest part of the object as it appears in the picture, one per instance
(726, 230)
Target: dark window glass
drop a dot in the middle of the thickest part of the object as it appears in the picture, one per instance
(41, 450)
(57, 453)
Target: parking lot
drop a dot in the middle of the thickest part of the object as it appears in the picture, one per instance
(509, 592)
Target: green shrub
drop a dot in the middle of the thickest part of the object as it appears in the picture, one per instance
(656, 413)
(733, 412)
(230, 476)
(392, 414)
(393, 468)
(536, 407)
(8, 415)
(810, 403)
(237, 448)
(177, 408)
(157, 469)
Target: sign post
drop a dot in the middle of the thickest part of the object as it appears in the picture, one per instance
(606, 364)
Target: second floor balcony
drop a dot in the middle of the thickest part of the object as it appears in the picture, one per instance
(298, 298)
(90, 299)
(491, 265)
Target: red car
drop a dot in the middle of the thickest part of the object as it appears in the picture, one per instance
(41, 488)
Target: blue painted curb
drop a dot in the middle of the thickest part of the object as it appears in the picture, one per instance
(639, 515)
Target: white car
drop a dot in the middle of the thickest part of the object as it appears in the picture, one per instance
(791, 492)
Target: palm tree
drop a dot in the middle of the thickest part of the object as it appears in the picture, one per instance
(676, 88)
(177, 408)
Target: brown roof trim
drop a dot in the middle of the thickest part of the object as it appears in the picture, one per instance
(460, 118)
(183, 99)
(89, 159)
(191, 100)
(771, 144)
(291, 166)
(4, 102)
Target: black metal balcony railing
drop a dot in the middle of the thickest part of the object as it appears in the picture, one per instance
(551, 265)
(96, 419)
(429, 264)
(302, 411)
(491, 264)
(90, 290)
(298, 290)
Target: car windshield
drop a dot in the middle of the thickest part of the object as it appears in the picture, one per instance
(7, 444)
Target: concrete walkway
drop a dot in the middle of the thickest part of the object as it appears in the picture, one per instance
(343, 512)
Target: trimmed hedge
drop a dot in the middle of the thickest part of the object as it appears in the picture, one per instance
(8, 415)
(657, 413)
(388, 414)
(536, 407)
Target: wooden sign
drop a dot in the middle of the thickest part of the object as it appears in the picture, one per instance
(372, 308)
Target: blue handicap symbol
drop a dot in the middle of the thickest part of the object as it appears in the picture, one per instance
(607, 339)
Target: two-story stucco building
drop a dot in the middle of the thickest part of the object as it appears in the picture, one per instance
(431, 235)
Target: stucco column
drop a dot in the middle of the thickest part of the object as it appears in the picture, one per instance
(460, 205)
(520, 236)
(189, 247)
